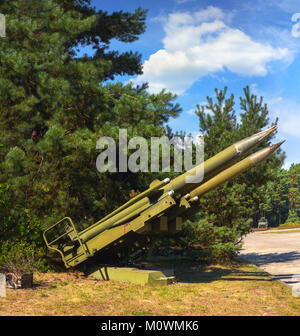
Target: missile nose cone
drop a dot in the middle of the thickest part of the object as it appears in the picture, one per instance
(247, 143)
(278, 145)
(268, 131)
(261, 155)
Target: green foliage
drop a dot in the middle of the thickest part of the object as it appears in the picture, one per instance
(19, 257)
(281, 197)
(56, 105)
(219, 243)
(21, 244)
(17, 223)
(230, 210)
(274, 203)
(294, 194)
(162, 247)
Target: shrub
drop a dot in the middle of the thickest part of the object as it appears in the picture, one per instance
(21, 243)
(20, 257)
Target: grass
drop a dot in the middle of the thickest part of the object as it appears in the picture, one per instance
(240, 289)
(286, 225)
(289, 224)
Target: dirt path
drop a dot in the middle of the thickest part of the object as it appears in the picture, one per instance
(275, 253)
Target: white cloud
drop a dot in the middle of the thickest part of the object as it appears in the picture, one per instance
(191, 111)
(288, 113)
(200, 43)
(289, 6)
(183, 1)
(287, 163)
(286, 110)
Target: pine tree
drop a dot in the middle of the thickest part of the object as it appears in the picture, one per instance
(274, 204)
(294, 194)
(55, 106)
(230, 209)
(254, 117)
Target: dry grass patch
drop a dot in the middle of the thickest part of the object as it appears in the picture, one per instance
(281, 232)
(213, 290)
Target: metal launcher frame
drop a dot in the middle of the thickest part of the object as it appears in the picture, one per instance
(161, 209)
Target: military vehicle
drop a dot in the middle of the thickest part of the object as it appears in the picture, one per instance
(262, 223)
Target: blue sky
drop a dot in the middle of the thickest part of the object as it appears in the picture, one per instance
(191, 47)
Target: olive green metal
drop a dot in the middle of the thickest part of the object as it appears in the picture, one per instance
(217, 162)
(132, 275)
(211, 166)
(71, 232)
(187, 211)
(158, 210)
(75, 254)
(222, 177)
(154, 186)
(133, 207)
(235, 170)
(127, 214)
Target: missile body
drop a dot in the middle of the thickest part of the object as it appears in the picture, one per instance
(135, 206)
(154, 186)
(126, 211)
(221, 178)
(234, 170)
(217, 162)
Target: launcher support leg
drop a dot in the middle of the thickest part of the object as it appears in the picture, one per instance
(131, 275)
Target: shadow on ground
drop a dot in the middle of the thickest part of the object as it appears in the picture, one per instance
(210, 274)
(289, 279)
(187, 271)
(268, 258)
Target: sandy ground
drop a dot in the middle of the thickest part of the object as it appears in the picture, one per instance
(277, 254)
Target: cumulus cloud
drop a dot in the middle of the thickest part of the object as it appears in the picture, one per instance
(197, 44)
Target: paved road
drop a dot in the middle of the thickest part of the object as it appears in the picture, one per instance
(277, 254)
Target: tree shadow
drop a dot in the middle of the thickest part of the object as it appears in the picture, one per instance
(210, 274)
(202, 274)
(289, 279)
(269, 258)
(193, 271)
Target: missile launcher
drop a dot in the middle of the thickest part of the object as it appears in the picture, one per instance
(161, 209)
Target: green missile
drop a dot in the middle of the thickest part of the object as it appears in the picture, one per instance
(100, 226)
(154, 186)
(141, 202)
(238, 168)
(217, 162)
(219, 179)
(120, 218)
